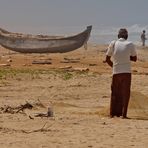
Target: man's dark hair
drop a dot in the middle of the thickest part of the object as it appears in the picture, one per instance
(143, 31)
(123, 33)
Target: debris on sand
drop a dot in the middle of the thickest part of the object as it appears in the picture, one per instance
(27, 105)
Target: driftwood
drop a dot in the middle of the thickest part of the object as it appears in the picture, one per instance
(39, 103)
(44, 128)
(5, 64)
(21, 108)
(41, 62)
(92, 64)
(71, 60)
(66, 67)
(71, 69)
(25, 106)
(48, 114)
(18, 109)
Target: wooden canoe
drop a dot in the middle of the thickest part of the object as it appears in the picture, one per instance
(26, 43)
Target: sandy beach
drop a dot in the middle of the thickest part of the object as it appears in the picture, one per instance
(76, 86)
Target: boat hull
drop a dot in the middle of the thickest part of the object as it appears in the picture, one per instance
(43, 44)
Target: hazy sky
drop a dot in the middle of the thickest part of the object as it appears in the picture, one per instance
(39, 14)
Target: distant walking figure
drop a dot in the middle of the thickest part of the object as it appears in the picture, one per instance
(143, 38)
(122, 52)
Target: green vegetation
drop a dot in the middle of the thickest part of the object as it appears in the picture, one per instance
(6, 73)
(67, 75)
(12, 73)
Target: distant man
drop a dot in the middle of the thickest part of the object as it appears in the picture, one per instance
(122, 52)
(143, 38)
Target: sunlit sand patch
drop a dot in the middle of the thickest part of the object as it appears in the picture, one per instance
(82, 110)
(62, 104)
(101, 112)
(68, 105)
(138, 106)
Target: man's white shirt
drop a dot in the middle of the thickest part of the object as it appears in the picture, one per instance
(120, 51)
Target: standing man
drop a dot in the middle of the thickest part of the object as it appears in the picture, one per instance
(122, 52)
(143, 38)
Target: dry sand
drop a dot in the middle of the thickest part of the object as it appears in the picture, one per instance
(80, 101)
